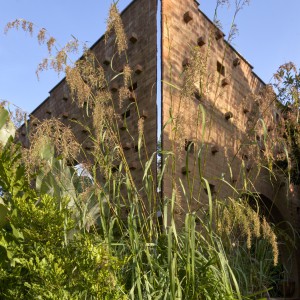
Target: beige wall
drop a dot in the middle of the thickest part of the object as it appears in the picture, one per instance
(179, 39)
(139, 18)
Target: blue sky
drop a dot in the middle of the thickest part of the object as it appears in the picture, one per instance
(269, 35)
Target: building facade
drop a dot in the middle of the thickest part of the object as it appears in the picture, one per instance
(208, 106)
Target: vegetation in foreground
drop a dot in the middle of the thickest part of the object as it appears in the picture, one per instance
(64, 233)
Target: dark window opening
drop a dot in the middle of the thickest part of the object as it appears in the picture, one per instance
(220, 68)
(189, 146)
(212, 189)
(126, 114)
(115, 168)
(133, 87)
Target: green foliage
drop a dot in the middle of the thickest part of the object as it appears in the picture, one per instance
(260, 274)
(287, 85)
(37, 261)
(6, 126)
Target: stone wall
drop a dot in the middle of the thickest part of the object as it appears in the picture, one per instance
(139, 20)
(215, 117)
(226, 96)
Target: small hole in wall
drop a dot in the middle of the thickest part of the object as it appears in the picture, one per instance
(245, 156)
(225, 82)
(122, 125)
(198, 95)
(197, 220)
(126, 146)
(114, 87)
(126, 114)
(88, 146)
(219, 34)
(132, 166)
(214, 149)
(187, 17)
(220, 68)
(84, 131)
(201, 41)
(228, 115)
(212, 189)
(236, 62)
(65, 115)
(106, 61)
(185, 170)
(189, 146)
(115, 168)
(138, 69)
(133, 87)
(133, 38)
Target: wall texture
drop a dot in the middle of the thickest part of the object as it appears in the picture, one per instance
(216, 117)
(139, 20)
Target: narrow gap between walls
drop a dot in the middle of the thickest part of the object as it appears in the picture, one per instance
(159, 90)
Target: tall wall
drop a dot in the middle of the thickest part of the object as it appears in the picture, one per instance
(139, 20)
(220, 94)
(216, 118)
(225, 92)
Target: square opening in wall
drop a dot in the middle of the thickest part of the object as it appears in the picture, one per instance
(212, 189)
(189, 146)
(115, 168)
(133, 87)
(198, 95)
(127, 146)
(126, 114)
(220, 68)
(133, 38)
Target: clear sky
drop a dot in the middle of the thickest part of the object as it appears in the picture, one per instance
(269, 35)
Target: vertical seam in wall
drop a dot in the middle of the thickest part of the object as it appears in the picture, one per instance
(159, 79)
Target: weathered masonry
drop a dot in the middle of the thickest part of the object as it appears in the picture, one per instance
(227, 108)
(139, 20)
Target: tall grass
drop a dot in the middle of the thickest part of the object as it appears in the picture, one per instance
(222, 250)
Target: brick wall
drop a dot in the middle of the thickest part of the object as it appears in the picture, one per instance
(139, 20)
(227, 99)
(184, 27)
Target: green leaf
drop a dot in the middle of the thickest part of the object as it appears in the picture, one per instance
(6, 131)
(18, 234)
(3, 213)
(3, 116)
(47, 151)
